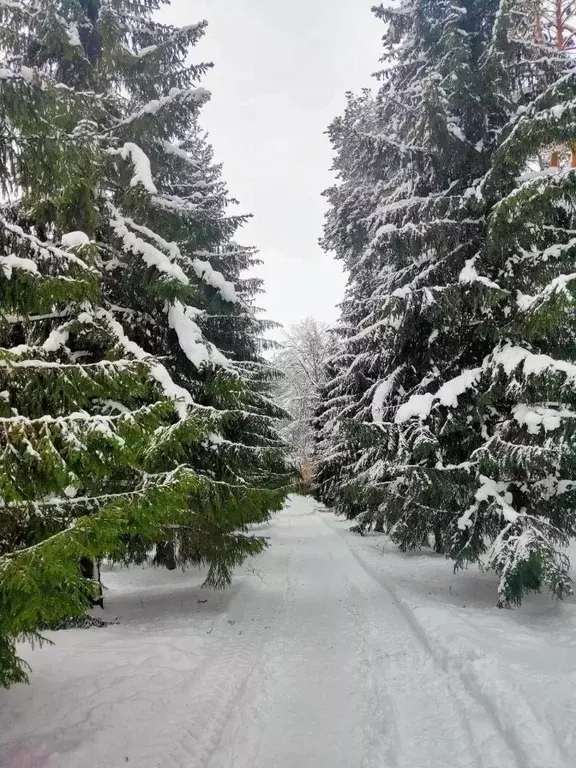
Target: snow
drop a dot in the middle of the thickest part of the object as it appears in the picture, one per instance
(489, 490)
(449, 393)
(146, 51)
(470, 275)
(510, 357)
(182, 397)
(387, 661)
(535, 417)
(56, 340)
(11, 262)
(190, 337)
(382, 394)
(559, 285)
(152, 256)
(417, 405)
(27, 74)
(203, 269)
(40, 247)
(196, 95)
(177, 151)
(73, 36)
(141, 162)
(74, 239)
(216, 279)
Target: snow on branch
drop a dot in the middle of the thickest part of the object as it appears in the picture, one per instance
(196, 349)
(507, 357)
(382, 393)
(181, 397)
(206, 272)
(537, 417)
(490, 491)
(202, 268)
(152, 256)
(42, 248)
(447, 395)
(189, 32)
(11, 262)
(560, 285)
(469, 275)
(141, 162)
(174, 149)
(183, 95)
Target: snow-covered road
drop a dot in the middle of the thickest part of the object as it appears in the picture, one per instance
(312, 659)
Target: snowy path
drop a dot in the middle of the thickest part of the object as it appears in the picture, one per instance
(310, 660)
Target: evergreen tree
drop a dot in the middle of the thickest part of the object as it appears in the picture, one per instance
(404, 224)
(134, 408)
(448, 354)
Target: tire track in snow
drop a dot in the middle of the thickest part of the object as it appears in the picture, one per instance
(405, 695)
(525, 747)
(341, 683)
(212, 695)
(303, 706)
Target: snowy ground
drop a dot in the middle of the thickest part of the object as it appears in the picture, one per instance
(325, 653)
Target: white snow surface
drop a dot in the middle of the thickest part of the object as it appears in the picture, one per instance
(10, 262)
(141, 162)
(190, 338)
(329, 651)
(74, 239)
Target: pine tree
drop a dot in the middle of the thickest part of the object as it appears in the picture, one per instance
(446, 365)
(134, 409)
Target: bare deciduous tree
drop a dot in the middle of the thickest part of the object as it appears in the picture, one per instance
(302, 361)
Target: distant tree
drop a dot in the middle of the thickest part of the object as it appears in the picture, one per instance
(302, 363)
(555, 23)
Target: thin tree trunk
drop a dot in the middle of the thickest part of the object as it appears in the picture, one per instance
(538, 28)
(166, 555)
(438, 540)
(91, 570)
(559, 26)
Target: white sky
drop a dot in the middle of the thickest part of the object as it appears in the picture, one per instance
(281, 70)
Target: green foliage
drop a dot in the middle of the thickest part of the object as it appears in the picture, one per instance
(135, 422)
(456, 364)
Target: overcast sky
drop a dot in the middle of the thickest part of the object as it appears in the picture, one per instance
(281, 70)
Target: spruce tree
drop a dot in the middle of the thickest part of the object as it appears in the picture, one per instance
(134, 408)
(501, 427)
(458, 348)
(402, 221)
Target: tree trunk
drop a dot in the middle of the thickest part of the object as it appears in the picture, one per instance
(166, 555)
(538, 28)
(91, 570)
(438, 540)
(559, 26)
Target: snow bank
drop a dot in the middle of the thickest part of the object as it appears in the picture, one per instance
(423, 668)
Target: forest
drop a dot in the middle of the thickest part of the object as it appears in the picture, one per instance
(238, 530)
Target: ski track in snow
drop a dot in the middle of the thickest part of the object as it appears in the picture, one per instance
(314, 658)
